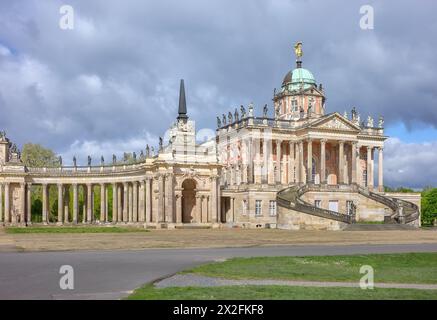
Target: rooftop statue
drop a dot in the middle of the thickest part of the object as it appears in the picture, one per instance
(230, 117)
(161, 143)
(74, 161)
(219, 123)
(89, 160)
(147, 151)
(236, 115)
(243, 112)
(102, 160)
(381, 122)
(224, 119)
(251, 109)
(265, 110)
(114, 159)
(60, 160)
(369, 122)
(298, 50)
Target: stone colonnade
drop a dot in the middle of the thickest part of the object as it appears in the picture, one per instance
(258, 160)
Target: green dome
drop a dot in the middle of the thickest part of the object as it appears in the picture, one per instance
(297, 78)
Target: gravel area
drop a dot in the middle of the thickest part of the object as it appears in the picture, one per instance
(193, 280)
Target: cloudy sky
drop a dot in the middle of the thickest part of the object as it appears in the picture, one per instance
(111, 84)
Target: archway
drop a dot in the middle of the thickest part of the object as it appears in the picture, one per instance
(188, 200)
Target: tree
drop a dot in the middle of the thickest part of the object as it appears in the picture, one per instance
(429, 206)
(35, 155)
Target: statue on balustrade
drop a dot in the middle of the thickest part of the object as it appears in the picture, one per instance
(74, 161)
(243, 112)
(230, 117)
(60, 161)
(219, 123)
(89, 161)
(381, 122)
(114, 159)
(224, 119)
(102, 161)
(265, 110)
(147, 151)
(236, 115)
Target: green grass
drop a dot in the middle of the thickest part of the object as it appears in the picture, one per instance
(400, 268)
(65, 229)
(148, 292)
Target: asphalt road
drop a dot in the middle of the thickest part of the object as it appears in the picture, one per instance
(113, 274)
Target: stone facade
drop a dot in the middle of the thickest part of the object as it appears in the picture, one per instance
(232, 180)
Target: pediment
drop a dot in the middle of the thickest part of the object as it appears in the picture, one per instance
(336, 122)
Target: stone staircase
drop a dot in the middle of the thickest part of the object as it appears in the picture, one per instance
(403, 212)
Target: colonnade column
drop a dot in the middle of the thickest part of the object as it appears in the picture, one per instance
(114, 202)
(29, 204)
(148, 201)
(290, 162)
(45, 213)
(354, 162)
(214, 198)
(130, 202)
(299, 165)
(278, 161)
(178, 198)
(142, 210)
(310, 161)
(340, 162)
(169, 198)
(7, 203)
(380, 169)
(135, 201)
(89, 206)
(22, 202)
(119, 203)
(369, 168)
(323, 161)
(265, 171)
(102, 202)
(60, 203)
(161, 213)
(75, 203)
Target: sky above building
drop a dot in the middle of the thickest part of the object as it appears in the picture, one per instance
(110, 84)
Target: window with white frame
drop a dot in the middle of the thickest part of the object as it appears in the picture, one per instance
(258, 207)
(318, 203)
(272, 207)
(294, 105)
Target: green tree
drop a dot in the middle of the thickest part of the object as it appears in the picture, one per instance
(429, 206)
(35, 155)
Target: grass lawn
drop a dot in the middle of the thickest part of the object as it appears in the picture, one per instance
(65, 229)
(400, 268)
(148, 292)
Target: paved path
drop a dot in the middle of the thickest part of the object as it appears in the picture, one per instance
(194, 280)
(113, 274)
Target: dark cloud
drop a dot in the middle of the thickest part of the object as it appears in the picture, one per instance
(115, 76)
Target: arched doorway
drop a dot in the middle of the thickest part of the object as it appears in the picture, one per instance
(188, 200)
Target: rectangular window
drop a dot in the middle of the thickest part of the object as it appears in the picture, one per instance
(349, 207)
(272, 207)
(333, 205)
(365, 178)
(294, 105)
(258, 207)
(245, 207)
(318, 203)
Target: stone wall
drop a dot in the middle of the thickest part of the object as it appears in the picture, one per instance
(294, 220)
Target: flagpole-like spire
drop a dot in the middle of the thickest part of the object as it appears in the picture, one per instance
(182, 102)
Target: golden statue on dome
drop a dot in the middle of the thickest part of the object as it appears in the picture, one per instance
(298, 50)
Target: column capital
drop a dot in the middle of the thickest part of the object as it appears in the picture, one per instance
(310, 140)
(323, 140)
(380, 149)
(29, 184)
(341, 142)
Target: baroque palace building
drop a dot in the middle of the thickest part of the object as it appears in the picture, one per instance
(302, 168)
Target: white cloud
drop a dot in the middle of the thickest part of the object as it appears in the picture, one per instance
(410, 164)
